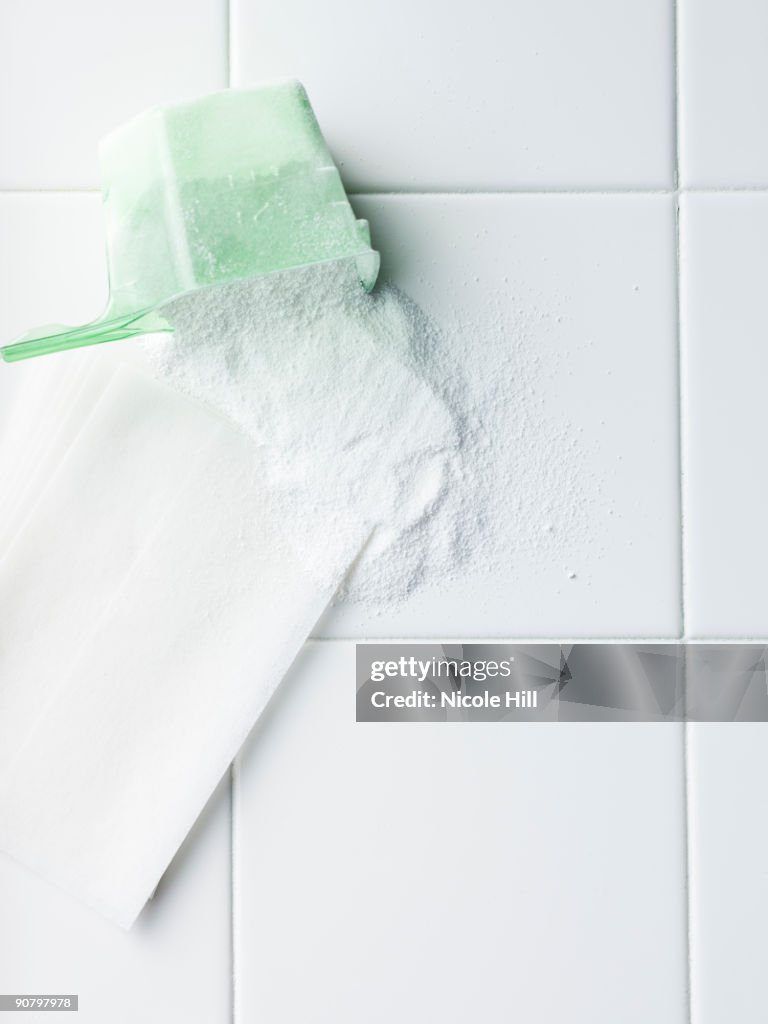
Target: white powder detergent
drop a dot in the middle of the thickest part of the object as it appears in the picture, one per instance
(338, 390)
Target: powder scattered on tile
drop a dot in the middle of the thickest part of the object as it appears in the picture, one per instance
(327, 381)
(438, 438)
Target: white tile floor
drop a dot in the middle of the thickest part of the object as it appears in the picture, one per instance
(724, 255)
(582, 841)
(582, 289)
(435, 873)
(538, 94)
(71, 72)
(173, 966)
(724, 92)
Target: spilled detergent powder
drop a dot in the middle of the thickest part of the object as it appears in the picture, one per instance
(364, 411)
(336, 388)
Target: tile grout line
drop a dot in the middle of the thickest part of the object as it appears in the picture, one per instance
(682, 437)
(234, 831)
(528, 640)
(228, 38)
(234, 888)
(507, 639)
(687, 775)
(472, 193)
(64, 190)
(548, 639)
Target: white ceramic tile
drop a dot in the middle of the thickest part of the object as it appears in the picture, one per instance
(725, 324)
(530, 94)
(723, 92)
(455, 872)
(568, 304)
(173, 965)
(729, 885)
(52, 262)
(69, 72)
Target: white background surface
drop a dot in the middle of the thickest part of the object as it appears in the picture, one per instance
(559, 889)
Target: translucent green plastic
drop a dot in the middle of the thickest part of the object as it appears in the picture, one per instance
(235, 185)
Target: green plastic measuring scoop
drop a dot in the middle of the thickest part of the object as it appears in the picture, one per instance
(237, 184)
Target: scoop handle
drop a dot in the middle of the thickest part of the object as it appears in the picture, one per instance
(61, 338)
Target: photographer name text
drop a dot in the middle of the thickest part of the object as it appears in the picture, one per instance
(518, 699)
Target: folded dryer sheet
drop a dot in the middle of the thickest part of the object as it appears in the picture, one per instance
(151, 603)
